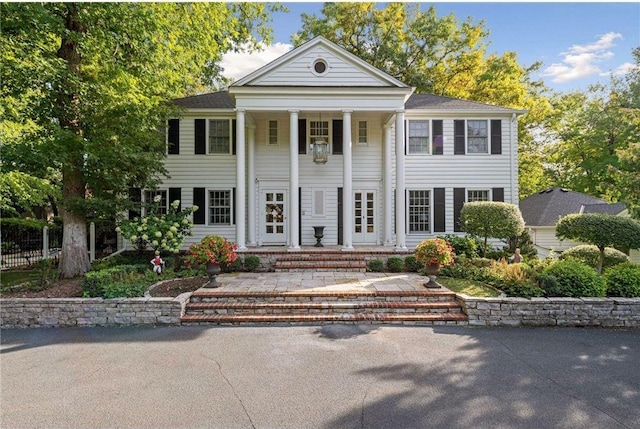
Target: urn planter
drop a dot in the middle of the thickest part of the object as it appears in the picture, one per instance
(432, 270)
(213, 269)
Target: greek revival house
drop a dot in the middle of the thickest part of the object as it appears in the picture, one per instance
(319, 137)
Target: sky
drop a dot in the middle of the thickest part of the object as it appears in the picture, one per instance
(579, 44)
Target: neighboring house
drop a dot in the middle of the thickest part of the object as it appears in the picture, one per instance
(319, 137)
(542, 211)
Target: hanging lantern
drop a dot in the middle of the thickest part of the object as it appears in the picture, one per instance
(320, 149)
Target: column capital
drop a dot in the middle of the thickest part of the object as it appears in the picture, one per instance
(293, 111)
(347, 110)
(400, 110)
(240, 110)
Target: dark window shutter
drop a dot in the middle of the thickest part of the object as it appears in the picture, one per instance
(438, 210)
(135, 196)
(406, 131)
(437, 138)
(174, 137)
(458, 137)
(337, 137)
(175, 194)
(233, 198)
(299, 216)
(234, 139)
(340, 218)
(496, 137)
(458, 202)
(200, 136)
(199, 199)
(498, 194)
(302, 136)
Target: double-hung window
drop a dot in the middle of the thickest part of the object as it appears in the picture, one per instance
(363, 138)
(474, 195)
(318, 130)
(418, 136)
(419, 211)
(157, 199)
(219, 136)
(220, 206)
(272, 133)
(477, 136)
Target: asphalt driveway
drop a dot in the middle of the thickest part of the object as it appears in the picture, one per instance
(335, 376)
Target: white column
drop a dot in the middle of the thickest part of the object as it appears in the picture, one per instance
(240, 202)
(347, 185)
(400, 191)
(294, 226)
(388, 187)
(251, 186)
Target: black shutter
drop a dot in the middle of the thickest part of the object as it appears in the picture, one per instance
(135, 196)
(200, 136)
(174, 137)
(498, 194)
(234, 139)
(437, 138)
(233, 197)
(458, 137)
(458, 202)
(340, 218)
(302, 136)
(199, 216)
(337, 137)
(175, 194)
(439, 213)
(496, 137)
(300, 216)
(406, 131)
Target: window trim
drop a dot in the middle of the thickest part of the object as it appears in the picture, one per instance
(208, 136)
(208, 208)
(268, 132)
(428, 137)
(366, 133)
(408, 212)
(468, 190)
(466, 136)
(310, 139)
(312, 66)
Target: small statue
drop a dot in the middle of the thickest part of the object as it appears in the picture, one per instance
(517, 257)
(158, 263)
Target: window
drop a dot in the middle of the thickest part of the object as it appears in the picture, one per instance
(320, 67)
(475, 195)
(158, 198)
(477, 137)
(418, 136)
(419, 206)
(272, 133)
(220, 207)
(219, 136)
(318, 130)
(363, 139)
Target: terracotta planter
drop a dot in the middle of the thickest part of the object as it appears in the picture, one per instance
(213, 269)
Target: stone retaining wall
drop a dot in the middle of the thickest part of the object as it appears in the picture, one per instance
(51, 312)
(604, 312)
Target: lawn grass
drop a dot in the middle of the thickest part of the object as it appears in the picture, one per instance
(469, 287)
(12, 278)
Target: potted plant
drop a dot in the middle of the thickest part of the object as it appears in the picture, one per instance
(212, 251)
(434, 253)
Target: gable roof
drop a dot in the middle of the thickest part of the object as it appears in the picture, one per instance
(546, 207)
(439, 102)
(214, 100)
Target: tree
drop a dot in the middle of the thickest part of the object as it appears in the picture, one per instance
(491, 219)
(601, 230)
(85, 89)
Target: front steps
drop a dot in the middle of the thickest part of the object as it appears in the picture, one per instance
(325, 261)
(213, 306)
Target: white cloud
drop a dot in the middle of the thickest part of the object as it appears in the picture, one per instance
(237, 65)
(621, 70)
(581, 60)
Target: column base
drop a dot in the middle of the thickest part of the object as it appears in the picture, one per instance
(347, 248)
(293, 249)
(401, 248)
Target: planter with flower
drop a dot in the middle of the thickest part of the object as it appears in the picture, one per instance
(213, 251)
(433, 254)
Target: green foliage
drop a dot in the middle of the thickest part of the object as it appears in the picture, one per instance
(466, 245)
(121, 281)
(491, 219)
(589, 255)
(251, 263)
(572, 279)
(434, 251)
(623, 280)
(212, 248)
(410, 264)
(395, 264)
(376, 266)
(233, 267)
(524, 243)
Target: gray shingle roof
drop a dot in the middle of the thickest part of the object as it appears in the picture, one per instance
(546, 207)
(214, 100)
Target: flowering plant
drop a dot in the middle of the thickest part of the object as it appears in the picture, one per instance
(161, 232)
(212, 248)
(435, 251)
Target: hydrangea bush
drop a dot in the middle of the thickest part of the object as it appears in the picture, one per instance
(159, 232)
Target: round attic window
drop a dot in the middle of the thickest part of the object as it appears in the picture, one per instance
(320, 67)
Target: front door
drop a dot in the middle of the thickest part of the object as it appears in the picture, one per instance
(274, 203)
(364, 216)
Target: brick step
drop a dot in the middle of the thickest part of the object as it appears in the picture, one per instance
(246, 308)
(321, 262)
(385, 318)
(320, 257)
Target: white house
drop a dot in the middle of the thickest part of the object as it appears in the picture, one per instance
(319, 137)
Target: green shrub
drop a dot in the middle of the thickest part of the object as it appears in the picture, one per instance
(118, 281)
(461, 270)
(572, 279)
(410, 264)
(466, 245)
(251, 263)
(233, 267)
(395, 264)
(589, 254)
(623, 280)
(516, 280)
(376, 266)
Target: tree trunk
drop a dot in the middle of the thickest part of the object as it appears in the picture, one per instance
(75, 258)
(600, 260)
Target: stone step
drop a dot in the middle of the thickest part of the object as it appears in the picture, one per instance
(315, 319)
(321, 262)
(335, 256)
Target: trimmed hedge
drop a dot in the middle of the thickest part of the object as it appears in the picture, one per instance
(410, 264)
(589, 255)
(572, 279)
(376, 266)
(395, 264)
(623, 280)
